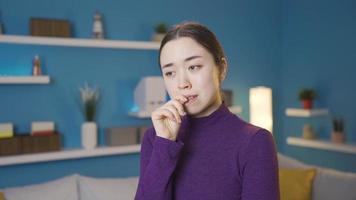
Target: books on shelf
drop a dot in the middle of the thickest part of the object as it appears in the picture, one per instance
(42, 128)
(24, 144)
(6, 130)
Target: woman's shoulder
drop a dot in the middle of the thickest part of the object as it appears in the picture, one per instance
(245, 132)
(237, 124)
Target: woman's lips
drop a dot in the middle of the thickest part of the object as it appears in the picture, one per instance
(191, 99)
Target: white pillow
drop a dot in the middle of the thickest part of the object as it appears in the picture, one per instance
(107, 188)
(331, 184)
(59, 189)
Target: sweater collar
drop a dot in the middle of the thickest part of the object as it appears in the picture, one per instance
(218, 113)
(189, 123)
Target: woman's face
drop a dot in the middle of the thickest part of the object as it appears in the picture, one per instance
(189, 70)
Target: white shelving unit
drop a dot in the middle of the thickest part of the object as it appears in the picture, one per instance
(145, 114)
(67, 42)
(68, 154)
(298, 112)
(320, 144)
(77, 42)
(24, 79)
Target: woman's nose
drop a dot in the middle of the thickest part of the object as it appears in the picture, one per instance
(183, 82)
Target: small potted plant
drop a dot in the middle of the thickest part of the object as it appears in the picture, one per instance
(338, 135)
(160, 32)
(89, 99)
(307, 96)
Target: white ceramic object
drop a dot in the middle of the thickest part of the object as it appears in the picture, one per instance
(89, 135)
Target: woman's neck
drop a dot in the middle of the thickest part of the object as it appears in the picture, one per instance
(212, 107)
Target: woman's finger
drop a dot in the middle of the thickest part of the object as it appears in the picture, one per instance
(178, 106)
(182, 99)
(163, 113)
(174, 111)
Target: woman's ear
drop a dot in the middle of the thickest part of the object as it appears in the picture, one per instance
(223, 69)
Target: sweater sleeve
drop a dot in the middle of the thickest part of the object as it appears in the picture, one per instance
(260, 168)
(159, 157)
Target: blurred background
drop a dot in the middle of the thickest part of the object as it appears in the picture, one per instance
(285, 45)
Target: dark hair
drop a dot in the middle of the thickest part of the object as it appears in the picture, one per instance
(201, 35)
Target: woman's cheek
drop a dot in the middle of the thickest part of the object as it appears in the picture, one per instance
(170, 89)
(203, 81)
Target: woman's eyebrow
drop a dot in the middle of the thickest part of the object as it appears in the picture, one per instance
(185, 60)
(167, 65)
(191, 58)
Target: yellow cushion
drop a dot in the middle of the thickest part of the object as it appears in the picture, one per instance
(296, 184)
(2, 197)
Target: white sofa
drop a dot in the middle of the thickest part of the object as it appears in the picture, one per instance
(75, 187)
(328, 185)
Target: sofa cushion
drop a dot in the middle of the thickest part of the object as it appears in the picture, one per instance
(296, 184)
(60, 189)
(331, 184)
(107, 188)
(2, 196)
(328, 184)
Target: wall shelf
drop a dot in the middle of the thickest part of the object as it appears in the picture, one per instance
(68, 154)
(145, 114)
(299, 112)
(24, 79)
(77, 42)
(322, 144)
(140, 114)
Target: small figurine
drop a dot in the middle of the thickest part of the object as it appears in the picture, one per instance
(98, 31)
(308, 132)
(36, 67)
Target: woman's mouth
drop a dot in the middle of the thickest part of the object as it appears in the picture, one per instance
(191, 99)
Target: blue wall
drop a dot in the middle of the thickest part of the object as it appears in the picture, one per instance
(250, 32)
(319, 51)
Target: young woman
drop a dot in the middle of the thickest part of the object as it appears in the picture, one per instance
(196, 148)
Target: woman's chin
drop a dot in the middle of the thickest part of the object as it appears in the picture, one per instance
(194, 110)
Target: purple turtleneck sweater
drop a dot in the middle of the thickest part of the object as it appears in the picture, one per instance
(218, 157)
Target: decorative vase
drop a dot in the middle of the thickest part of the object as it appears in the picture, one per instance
(337, 137)
(89, 135)
(307, 103)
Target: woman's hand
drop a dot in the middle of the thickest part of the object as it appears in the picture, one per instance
(167, 118)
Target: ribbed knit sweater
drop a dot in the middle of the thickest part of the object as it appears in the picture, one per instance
(218, 157)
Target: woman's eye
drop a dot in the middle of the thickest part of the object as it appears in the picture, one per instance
(168, 74)
(194, 67)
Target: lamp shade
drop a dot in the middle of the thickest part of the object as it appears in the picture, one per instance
(261, 107)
